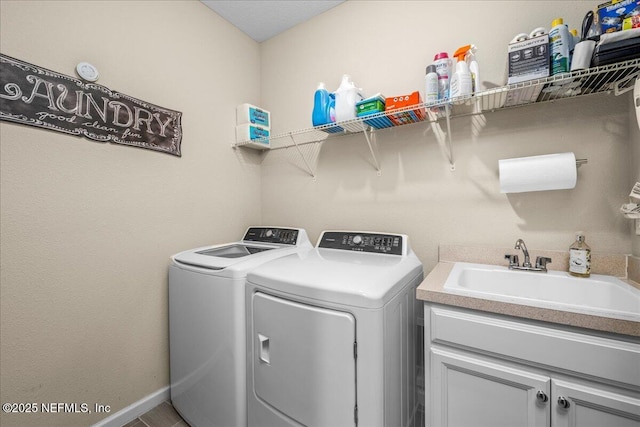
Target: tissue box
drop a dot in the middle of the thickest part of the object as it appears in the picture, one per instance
(247, 113)
(417, 114)
(614, 13)
(258, 135)
(529, 59)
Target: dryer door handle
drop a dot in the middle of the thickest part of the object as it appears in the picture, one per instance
(264, 349)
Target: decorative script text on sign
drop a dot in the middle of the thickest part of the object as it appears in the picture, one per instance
(35, 96)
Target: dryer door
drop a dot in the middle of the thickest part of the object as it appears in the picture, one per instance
(303, 361)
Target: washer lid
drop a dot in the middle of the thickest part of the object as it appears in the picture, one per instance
(236, 250)
(224, 256)
(260, 245)
(348, 278)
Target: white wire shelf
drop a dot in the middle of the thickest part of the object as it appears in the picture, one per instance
(617, 78)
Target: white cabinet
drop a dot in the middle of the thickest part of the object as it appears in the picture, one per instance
(591, 406)
(468, 391)
(489, 370)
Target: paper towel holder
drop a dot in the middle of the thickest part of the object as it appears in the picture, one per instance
(539, 173)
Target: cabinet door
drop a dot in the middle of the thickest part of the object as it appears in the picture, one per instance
(576, 405)
(469, 391)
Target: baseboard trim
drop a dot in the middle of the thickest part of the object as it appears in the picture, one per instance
(136, 409)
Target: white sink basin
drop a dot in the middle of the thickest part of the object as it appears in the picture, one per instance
(597, 295)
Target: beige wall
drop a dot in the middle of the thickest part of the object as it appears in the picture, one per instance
(385, 46)
(88, 228)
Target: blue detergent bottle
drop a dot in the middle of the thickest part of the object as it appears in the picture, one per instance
(321, 106)
(331, 115)
(331, 111)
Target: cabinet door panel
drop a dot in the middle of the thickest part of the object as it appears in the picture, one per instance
(592, 407)
(470, 391)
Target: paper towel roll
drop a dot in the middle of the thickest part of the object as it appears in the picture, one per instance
(538, 173)
(582, 54)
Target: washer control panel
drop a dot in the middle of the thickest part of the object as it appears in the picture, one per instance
(284, 236)
(363, 242)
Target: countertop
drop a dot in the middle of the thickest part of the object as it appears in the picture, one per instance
(432, 290)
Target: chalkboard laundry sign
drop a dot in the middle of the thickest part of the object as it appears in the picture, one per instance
(34, 96)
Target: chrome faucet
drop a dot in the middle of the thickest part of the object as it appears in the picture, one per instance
(520, 245)
(541, 262)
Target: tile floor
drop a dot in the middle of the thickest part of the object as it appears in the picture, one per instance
(162, 415)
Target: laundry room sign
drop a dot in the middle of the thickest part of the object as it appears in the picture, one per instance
(34, 96)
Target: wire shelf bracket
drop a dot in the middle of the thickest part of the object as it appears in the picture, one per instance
(368, 134)
(304, 159)
(452, 165)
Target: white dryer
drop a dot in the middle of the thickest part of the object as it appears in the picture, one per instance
(207, 333)
(331, 334)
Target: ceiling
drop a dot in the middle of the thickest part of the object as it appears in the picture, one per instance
(262, 20)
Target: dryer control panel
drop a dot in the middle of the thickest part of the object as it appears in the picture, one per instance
(284, 236)
(363, 242)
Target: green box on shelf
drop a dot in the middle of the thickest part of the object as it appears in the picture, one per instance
(369, 107)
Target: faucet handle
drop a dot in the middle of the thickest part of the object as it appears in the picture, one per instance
(541, 262)
(513, 260)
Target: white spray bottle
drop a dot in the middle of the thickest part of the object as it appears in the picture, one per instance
(461, 83)
(474, 68)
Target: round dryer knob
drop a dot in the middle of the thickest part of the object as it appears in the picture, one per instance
(357, 240)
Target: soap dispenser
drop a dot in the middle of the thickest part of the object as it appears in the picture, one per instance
(580, 257)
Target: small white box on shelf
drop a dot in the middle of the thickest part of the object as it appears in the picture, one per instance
(250, 114)
(257, 135)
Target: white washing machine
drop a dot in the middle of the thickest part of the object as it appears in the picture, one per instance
(207, 334)
(331, 334)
